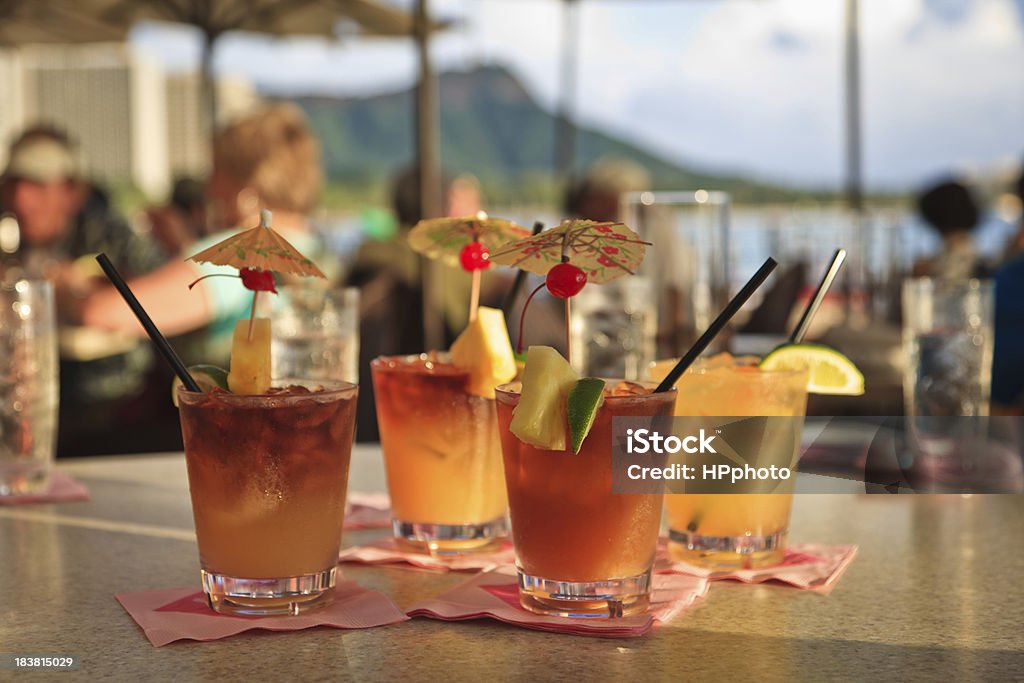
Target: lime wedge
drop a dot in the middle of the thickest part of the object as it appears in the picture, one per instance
(208, 377)
(831, 372)
(584, 400)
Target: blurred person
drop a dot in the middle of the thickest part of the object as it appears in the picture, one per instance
(1015, 245)
(60, 216)
(1008, 349)
(61, 222)
(598, 194)
(951, 210)
(182, 220)
(389, 275)
(269, 159)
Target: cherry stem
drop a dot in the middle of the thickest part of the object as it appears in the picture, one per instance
(522, 316)
(474, 295)
(196, 282)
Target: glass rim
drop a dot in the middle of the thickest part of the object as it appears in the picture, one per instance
(699, 368)
(330, 390)
(441, 356)
(507, 390)
(968, 284)
(442, 364)
(23, 284)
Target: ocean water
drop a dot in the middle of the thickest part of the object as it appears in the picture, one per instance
(885, 245)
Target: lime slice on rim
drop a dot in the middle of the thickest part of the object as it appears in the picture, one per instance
(831, 372)
(208, 377)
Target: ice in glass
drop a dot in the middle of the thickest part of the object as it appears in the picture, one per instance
(741, 529)
(268, 475)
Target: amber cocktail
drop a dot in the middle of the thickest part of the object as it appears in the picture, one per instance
(268, 476)
(736, 529)
(441, 453)
(581, 550)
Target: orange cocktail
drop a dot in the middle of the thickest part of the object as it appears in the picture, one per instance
(441, 453)
(268, 476)
(581, 550)
(736, 529)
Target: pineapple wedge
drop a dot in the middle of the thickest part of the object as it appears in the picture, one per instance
(250, 358)
(484, 348)
(540, 418)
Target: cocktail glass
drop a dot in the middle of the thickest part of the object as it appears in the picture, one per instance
(268, 476)
(581, 550)
(441, 454)
(736, 529)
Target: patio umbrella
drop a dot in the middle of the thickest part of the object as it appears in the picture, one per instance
(214, 18)
(52, 21)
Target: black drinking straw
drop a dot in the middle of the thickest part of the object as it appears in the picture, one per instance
(517, 284)
(147, 323)
(717, 325)
(819, 295)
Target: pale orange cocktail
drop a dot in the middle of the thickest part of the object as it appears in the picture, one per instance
(736, 529)
(441, 455)
(581, 550)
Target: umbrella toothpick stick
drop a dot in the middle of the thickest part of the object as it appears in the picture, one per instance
(252, 315)
(568, 325)
(474, 295)
(568, 337)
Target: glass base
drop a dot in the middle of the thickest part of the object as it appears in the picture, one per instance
(727, 552)
(586, 599)
(18, 478)
(449, 539)
(267, 597)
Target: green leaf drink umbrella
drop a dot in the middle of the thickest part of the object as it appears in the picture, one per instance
(466, 242)
(258, 253)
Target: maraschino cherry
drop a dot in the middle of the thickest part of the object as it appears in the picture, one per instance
(257, 280)
(475, 256)
(565, 280)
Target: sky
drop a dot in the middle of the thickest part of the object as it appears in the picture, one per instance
(750, 86)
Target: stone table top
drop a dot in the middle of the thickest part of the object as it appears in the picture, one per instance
(935, 591)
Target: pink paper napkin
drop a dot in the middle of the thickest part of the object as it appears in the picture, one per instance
(61, 489)
(182, 614)
(387, 551)
(494, 595)
(368, 511)
(812, 566)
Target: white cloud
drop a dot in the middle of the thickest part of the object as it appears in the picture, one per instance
(737, 84)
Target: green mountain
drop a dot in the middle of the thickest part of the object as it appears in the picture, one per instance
(491, 127)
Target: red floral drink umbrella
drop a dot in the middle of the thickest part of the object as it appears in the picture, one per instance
(466, 241)
(603, 251)
(573, 254)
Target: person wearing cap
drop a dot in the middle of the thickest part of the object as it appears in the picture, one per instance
(60, 221)
(59, 216)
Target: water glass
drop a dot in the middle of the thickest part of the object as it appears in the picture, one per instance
(316, 333)
(614, 326)
(28, 385)
(947, 339)
(689, 261)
